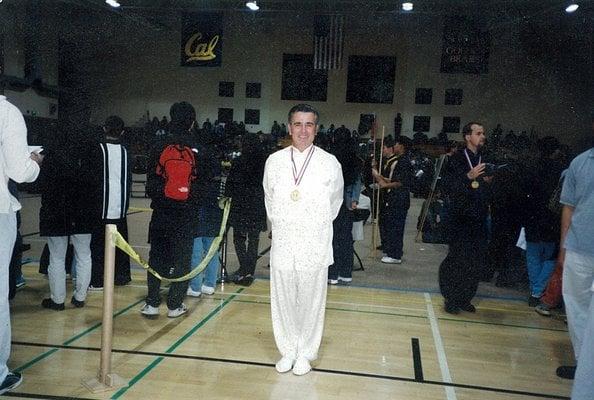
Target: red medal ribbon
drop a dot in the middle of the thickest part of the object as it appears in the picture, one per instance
(298, 176)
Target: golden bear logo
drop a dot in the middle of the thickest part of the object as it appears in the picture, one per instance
(200, 51)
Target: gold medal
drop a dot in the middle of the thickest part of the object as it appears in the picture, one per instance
(474, 184)
(295, 195)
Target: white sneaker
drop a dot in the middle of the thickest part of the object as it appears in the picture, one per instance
(149, 310)
(193, 293)
(333, 281)
(390, 260)
(284, 365)
(301, 366)
(95, 288)
(208, 290)
(178, 311)
(345, 280)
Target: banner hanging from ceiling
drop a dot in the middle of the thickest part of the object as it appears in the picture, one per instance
(466, 46)
(201, 40)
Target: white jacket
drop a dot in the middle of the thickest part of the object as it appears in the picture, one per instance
(302, 229)
(15, 161)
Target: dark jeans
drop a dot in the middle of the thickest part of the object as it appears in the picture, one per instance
(342, 245)
(392, 222)
(14, 270)
(460, 271)
(246, 246)
(122, 261)
(170, 256)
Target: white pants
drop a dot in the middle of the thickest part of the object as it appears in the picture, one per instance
(7, 239)
(298, 305)
(56, 270)
(578, 275)
(583, 385)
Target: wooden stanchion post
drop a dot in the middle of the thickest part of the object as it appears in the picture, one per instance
(375, 225)
(105, 380)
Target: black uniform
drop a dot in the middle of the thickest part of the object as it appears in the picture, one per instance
(467, 209)
(394, 205)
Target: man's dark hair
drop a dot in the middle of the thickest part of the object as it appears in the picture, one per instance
(389, 141)
(467, 129)
(305, 108)
(404, 141)
(114, 125)
(182, 116)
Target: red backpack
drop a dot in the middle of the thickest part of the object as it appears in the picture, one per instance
(177, 166)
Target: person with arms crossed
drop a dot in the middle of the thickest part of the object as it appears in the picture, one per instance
(303, 190)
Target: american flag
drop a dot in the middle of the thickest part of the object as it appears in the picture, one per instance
(328, 41)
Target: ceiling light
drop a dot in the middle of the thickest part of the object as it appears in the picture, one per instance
(113, 3)
(252, 5)
(407, 6)
(571, 8)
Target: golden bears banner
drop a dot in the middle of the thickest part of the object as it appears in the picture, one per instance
(201, 39)
(466, 46)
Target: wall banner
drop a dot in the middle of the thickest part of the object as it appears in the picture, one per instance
(201, 39)
(466, 47)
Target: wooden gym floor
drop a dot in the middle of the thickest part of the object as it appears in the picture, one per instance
(379, 343)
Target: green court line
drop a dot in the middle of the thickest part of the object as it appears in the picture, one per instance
(175, 345)
(72, 339)
(424, 317)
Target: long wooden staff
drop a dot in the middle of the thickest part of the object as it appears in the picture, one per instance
(430, 198)
(376, 192)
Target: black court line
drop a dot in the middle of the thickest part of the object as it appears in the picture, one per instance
(418, 365)
(134, 212)
(266, 250)
(43, 396)
(29, 234)
(327, 371)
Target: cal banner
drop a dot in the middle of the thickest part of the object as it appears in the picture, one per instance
(201, 39)
(466, 46)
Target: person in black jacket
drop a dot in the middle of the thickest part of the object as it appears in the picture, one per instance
(176, 178)
(345, 151)
(113, 179)
(248, 213)
(209, 219)
(394, 181)
(66, 213)
(466, 189)
(542, 226)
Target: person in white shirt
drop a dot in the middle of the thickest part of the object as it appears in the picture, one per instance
(303, 188)
(18, 164)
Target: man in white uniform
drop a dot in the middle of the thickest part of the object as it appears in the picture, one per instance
(303, 192)
(18, 164)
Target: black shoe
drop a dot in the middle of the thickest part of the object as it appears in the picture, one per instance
(12, 381)
(245, 280)
(566, 371)
(76, 303)
(49, 303)
(468, 308)
(236, 276)
(533, 301)
(122, 282)
(451, 309)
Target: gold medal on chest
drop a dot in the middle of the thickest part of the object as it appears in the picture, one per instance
(474, 184)
(295, 195)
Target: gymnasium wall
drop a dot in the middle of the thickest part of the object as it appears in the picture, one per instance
(539, 76)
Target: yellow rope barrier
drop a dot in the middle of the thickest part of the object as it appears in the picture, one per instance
(127, 248)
